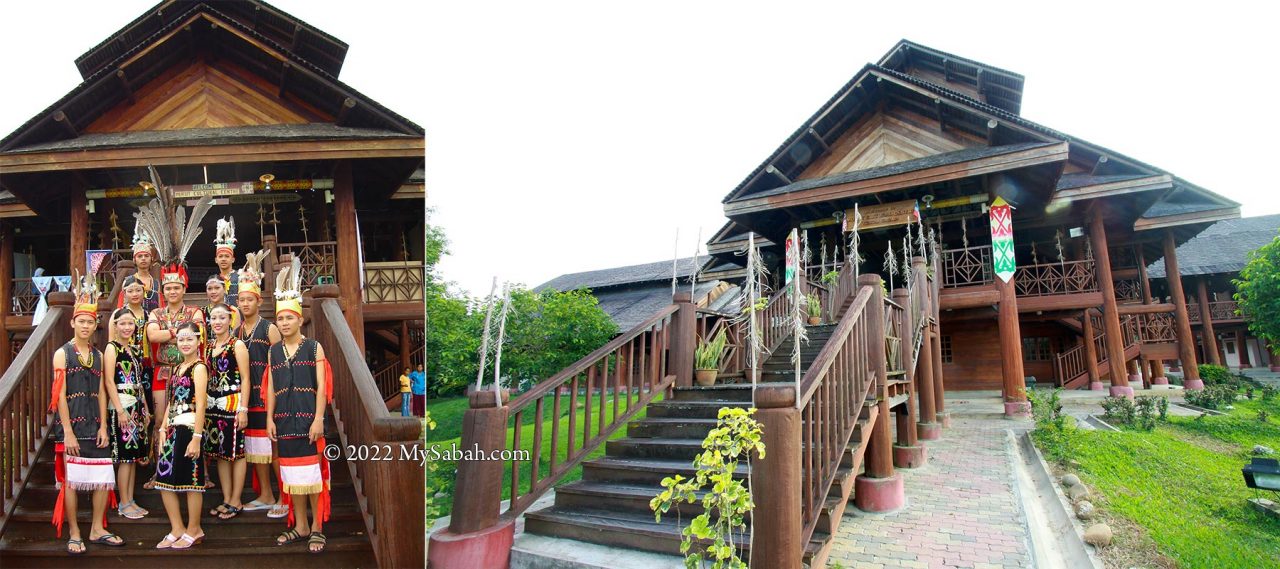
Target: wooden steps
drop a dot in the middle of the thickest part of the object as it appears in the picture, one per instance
(246, 540)
(610, 504)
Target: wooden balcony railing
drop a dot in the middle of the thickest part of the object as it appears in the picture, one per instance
(25, 390)
(710, 323)
(832, 394)
(1128, 290)
(319, 261)
(394, 281)
(1070, 277)
(391, 490)
(1156, 328)
(893, 334)
(1193, 313)
(1225, 310)
(966, 267)
(25, 298)
(773, 321)
(388, 376)
(614, 383)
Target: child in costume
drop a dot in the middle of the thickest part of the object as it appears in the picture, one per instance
(228, 414)
(299, 384)
(128, 418)
(180, 467)
(83, 453)
(258, 334)
(224, 256)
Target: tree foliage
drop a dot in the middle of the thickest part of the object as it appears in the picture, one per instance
(1258, 291)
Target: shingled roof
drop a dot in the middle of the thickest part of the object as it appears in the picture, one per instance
(618, 276)
(1222, 248)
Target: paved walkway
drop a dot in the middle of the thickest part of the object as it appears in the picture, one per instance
(962, 510)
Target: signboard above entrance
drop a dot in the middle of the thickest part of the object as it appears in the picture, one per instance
(886, 215)
(215, 190)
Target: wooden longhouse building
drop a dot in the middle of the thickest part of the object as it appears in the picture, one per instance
(919, 128)
(239, 102)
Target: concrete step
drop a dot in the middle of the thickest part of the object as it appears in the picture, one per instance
(681, 449)
(589, 494)
(613, 528)
(691, 409)
(738, 392)
(670, 427)
(643, 471)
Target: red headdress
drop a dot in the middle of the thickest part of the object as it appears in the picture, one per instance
(173, 234)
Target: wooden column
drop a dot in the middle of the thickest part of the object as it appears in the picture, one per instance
(879, 488)
(1110, 316)
(1014, 386)
(1144, 370)
(475, 533)
(1186, 341)
(1142, 275)
(349, 269)
(939, 391)
(684, 339)
(1157, 373)
(6, 291)
(405, 345)
(79, 230)
(776, 481)
(1134, 374)
(1211, 351)
(907, 452)
(929, 428)
(1242, 347)
(1091, 352)
(1274, 354)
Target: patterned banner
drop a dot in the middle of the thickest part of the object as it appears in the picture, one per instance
(94, 258)
(793, 256)
(64, 283)
(1002, 239)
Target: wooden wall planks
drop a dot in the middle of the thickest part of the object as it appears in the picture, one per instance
(893, 135)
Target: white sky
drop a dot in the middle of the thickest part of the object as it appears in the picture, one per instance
(570, 136)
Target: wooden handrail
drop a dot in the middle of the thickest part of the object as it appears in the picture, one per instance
(25, 390)
(390, 491)
(630, 370)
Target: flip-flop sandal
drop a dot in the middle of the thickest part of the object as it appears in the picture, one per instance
(231, 512)
(219, 510)
(139, 509)
(290, 536)
(167, 542)
(71, 542)
(279, 511)
(257, 506)
(105, 539)
(184, 542)
(316, 538)
(133, 513)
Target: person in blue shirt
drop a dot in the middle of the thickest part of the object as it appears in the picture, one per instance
(418, 384)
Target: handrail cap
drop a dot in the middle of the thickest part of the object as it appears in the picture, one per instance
(326, 291)
(61, 298)
(775, 396)
(484, 399)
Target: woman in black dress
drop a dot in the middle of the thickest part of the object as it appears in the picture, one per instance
(228, 359)
(180, 467)
(128, 417)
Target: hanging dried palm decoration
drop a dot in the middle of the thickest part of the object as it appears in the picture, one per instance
(891, 264)
(920, 242)
(484, 336)
(855, 244)
(755, 293)
(964, 233)
(675, 256)
(502, 332)
(799, 315)
(906, 262)
(695, 269)
(1057, 242)
(1035, 259)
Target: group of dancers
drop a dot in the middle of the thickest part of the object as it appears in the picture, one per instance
(187, 387)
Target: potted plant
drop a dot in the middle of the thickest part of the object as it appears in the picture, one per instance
(814, 306)
(706, 359)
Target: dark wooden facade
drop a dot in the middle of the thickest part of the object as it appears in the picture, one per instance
(215, 96)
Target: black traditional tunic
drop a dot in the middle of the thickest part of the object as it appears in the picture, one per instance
(174, 471)
(221, 437)
(83, 384)
(129, 444)
(294, 380)
(258, 340)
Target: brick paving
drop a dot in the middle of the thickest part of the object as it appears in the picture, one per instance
(962, 507)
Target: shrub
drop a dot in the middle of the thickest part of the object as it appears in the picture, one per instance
(1146, 411)
(1263, 415)
(1163, 406)
(1268, 393)
(1212, 396)
(1212, 374)
(1052, 434)
(1118, 410)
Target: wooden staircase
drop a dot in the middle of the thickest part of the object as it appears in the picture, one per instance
(1079, 379)
(610, 504)
(247, 539)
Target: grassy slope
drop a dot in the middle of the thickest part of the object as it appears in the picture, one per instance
(448, 470)
(1182, 483)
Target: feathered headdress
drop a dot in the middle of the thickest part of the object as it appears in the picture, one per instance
(141, 241)
(166, 222)
(226, 237)
(251, 274)
(87, 294)
(288, 288)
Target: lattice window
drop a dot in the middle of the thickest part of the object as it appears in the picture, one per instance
(946, 349)
(1036, 349)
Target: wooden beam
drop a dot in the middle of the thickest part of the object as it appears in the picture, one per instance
(1107, 189)
(348, 269)
(1143, 279)
(825, 147)
(1211, 350)
(937, 114)
(6, 290)
(1097, 165)
(968, 297)
(79, 227)
(344, 111)
(1091, 351)
(1186, 341)
(125, 86)
(1013, 386)
(777, 174)
(284, 77)
(992, 125)
(1168, 221)
(1110, 314)
(1059, 302)
(64, 122)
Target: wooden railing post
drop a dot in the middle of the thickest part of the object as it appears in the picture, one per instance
(879, 488)
(777, 523)
(907, 452)
(683, 339)
(475, 538)
(928, 426)
(6, 290)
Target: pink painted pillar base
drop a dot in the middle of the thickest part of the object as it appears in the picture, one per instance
(879, 495)
(490, 547)
(909, 456)
(1135, 378)
(1275, 368)
(944, 417)
(1193, 384)
(1161, 380)
(1096, 386)
(929, 431)
(1121, 391)
(1017, 409)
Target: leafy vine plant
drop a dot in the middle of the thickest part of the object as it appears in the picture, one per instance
(726, 502)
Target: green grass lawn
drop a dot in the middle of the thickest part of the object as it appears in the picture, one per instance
(443, 480)
(1182, 483)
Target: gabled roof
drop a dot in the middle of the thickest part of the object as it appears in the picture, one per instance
(1222, 248)
(996, 86)
(201, 26)
(659, 271)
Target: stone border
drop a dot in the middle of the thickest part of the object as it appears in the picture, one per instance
(1191, 407)
(1098, 423)
(1076, 554)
